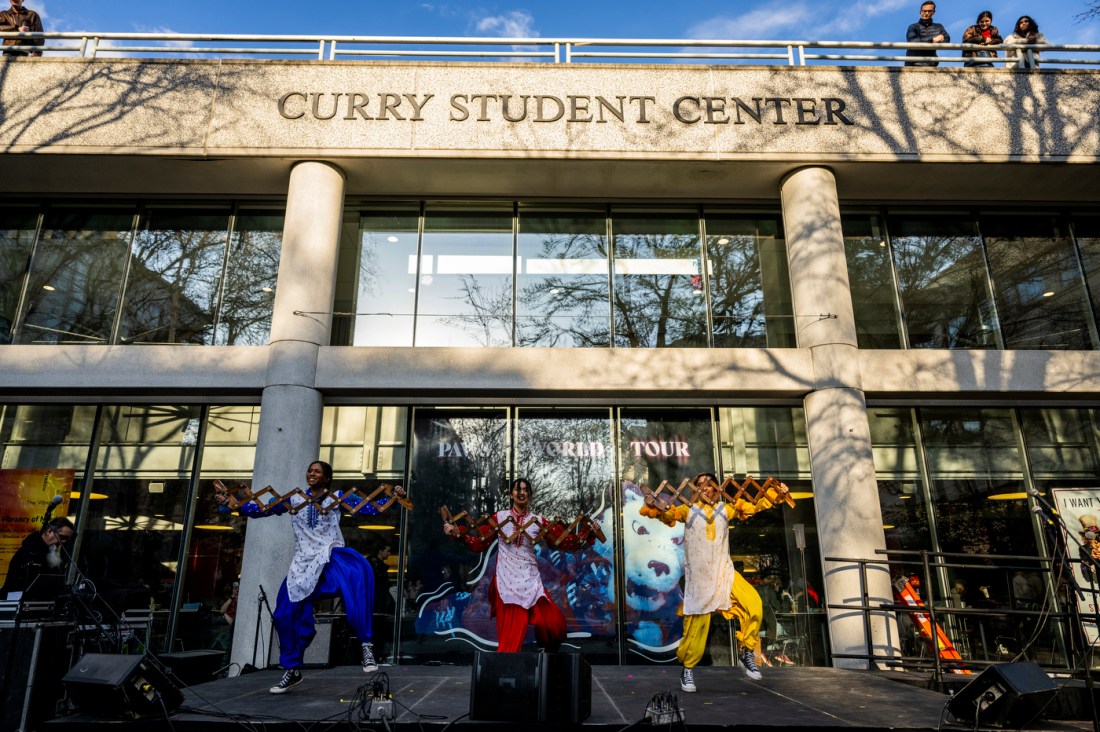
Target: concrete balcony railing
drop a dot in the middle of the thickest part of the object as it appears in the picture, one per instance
(545, 50)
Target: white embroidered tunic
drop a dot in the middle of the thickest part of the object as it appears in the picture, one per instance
(708, 568)
(315, 534)
(518, 580)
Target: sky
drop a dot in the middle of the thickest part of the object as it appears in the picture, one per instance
(826, 20)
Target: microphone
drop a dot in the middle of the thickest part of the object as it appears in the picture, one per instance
(56, 501)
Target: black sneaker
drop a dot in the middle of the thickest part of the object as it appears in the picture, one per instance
(748, 663)
(687, 680)
(291, 677)
(369, 664)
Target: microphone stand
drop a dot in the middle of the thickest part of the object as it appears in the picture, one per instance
(1060, 555)
(261, 603)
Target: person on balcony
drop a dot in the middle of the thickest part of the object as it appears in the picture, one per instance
(925, 30)
(982, 33)
(1026, 35)
(18, 19)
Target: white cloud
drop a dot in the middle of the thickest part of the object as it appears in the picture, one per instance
(514, 24)
(797, 21)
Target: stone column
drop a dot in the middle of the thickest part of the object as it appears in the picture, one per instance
(290, 408)
(849, 517)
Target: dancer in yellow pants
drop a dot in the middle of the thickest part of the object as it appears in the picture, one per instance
(711, 583)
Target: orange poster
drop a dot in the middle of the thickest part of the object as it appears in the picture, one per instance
(25, 494)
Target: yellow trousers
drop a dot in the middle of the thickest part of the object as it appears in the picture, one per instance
(747, 608)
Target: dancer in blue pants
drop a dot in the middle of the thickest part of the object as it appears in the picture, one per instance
(322, 568)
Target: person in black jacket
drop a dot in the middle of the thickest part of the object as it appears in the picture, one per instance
(40, 553)
(925, 30)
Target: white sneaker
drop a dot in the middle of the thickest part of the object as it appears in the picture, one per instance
(748, 663)
(369, 664)
(687, 680)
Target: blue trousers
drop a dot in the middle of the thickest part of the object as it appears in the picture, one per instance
(346, 575)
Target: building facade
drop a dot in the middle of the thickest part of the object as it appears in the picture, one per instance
(879, 285)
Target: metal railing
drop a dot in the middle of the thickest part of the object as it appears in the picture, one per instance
(543, 50)
(941, 611)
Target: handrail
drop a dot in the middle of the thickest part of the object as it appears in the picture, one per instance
(552, 50)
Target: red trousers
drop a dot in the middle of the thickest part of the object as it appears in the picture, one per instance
(512, 622)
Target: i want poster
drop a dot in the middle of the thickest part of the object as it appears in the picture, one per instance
(1080, 509)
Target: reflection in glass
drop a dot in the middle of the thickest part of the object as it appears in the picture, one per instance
(569, 458)
(79, 264)
(872, 281)
(252, 270)
(465, 285)
(173, 280)
(658, 287)
(656, 445)
(749, 283)
(1086, 229)
(459, 461)
(132, 538)
(943, 281)
(17, 228)
(1040, 298)
(563, 280)
(387, 278)
(900, 489)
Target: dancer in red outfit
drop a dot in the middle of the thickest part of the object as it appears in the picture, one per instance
(517, 595)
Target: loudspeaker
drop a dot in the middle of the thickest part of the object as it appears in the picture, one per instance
(504, 687)
(324, 650)
(534, 687)
(1009, 695)
(193, 667)
(565, 688)
(33, 658)
(109, 685)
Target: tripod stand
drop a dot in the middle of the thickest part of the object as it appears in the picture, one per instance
(261, 603)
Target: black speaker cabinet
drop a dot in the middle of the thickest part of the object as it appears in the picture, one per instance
(533, 687)
(33, 658)
(1009, 695)
(326, 649)
(193, 667)
(504, 687)
(565, 688)
(109, 685)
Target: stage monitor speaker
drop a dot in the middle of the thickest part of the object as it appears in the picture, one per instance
(33, 658)
(193, 667)
(132, 687)
(1009, 695)
(565, 688)
(504, 687)
(324, 650)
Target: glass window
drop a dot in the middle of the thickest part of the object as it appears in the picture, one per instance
(1087, 231)
(563, 280)
(251, 272)
(871, 279)
(777, 549)
(657, 445)
(1040, 299)
(132, 535)
(465, 280)
(174, 277)
(568, 456)
(944, 287)
(387, 278)
(658, 286)
(459, 461)
(17, 229)
(75, 279)
(750, 291)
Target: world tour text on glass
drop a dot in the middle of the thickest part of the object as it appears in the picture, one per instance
(688, 110)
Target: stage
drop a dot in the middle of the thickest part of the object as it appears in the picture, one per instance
(432, 697)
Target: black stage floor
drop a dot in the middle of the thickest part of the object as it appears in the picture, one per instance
(430, 698)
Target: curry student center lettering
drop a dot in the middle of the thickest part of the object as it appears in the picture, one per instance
(624, 109)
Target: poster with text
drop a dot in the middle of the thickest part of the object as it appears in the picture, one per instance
(1080, 509)
(25, 494)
